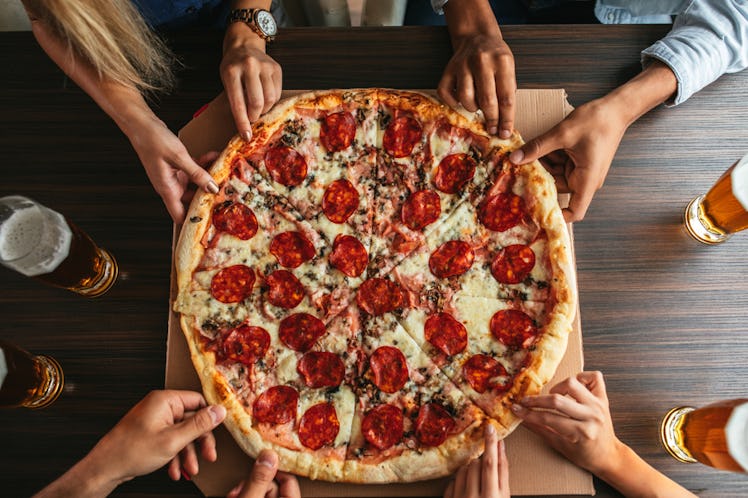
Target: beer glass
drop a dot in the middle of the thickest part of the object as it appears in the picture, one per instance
(715, 435)
(28, 380)
(43, 244)
(713, 217)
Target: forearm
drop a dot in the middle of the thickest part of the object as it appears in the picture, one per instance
(467, 18)
(83, 480)
(635, 478)
(650, 88)
(126, 106)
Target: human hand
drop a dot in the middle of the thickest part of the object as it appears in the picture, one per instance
(160, 429)
(578, 424)
(266, 481)
(480, 75)
(578, 152)
(169, 166)
(484, 477)
(252, 79)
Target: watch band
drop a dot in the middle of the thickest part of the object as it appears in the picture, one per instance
(247, 16)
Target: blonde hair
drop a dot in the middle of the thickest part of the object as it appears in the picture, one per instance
(113, 37)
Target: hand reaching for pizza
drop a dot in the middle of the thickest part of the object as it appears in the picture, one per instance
(485, 477)
(266, 481)
(252, 79)
(480, 74)
(578, 152)
(169, 166)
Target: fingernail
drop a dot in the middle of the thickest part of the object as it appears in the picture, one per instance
(518, 408)
(505, 133)
(185, 474)
(265, 459)
(517, 156)
(217, 414)
(492, 130)
(212, 187)
(247, 135)
(490, 429)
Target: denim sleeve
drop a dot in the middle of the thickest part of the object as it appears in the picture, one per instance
(709, 38)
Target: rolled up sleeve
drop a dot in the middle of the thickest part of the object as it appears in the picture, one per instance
(708, 39)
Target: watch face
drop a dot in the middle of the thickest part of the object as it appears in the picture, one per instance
(266, 23)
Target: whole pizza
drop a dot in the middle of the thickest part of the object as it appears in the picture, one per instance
(372, 284)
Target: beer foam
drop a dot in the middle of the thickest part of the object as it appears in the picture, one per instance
(736, 433)
(739, 179)
(34, 240)
(3, 368)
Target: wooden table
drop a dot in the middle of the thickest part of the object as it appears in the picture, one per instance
(665, 318)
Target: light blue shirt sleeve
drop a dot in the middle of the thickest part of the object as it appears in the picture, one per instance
(709, 38)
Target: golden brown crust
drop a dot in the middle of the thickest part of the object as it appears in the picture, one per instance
(409, 465)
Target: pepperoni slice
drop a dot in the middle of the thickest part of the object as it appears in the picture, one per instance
(480, 371)
(445, 333)
(337, 131)
(390, 368)
(383, 426)
(277, 405)
(378, 296)
(236, 219)
(300, 331)
(513, 264)
(321, 369)
(421, 209)
(319, 426)
(433, 424)
(513, 328)
(246, 344)
(291, 249)
(401, 136)
(285, 165)
(232, 284)
(285, 290)
(349, 255)
(340, 201)
(450, 259)
(501, 212)
(453, 172)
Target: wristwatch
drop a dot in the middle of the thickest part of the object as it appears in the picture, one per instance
(260, 21)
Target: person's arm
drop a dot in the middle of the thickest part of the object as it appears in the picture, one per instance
(575, 420)
(167, 163)
(579, 150)
(152, 434)
(480, 74)
(252, 79)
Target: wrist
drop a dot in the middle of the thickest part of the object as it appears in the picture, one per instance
(239, 34)
(618, 463)
(467, 18)
(653, 86)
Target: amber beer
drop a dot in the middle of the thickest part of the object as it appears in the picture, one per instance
(41, 243)
(723, 211)
(715, 435)
(27, 380)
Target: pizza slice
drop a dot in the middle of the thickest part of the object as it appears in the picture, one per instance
(411, 423)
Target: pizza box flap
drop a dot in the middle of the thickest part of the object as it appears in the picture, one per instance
(210, 129)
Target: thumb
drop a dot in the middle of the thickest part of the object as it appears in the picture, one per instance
(200, 423)
(198, 175)
(261, 478)
(536, 148)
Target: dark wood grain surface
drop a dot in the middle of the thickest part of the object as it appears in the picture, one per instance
(665, 318)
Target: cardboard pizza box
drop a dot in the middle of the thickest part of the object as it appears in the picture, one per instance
(211, 128)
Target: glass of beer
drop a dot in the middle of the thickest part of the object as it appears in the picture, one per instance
(713, 217)
(43, 244)
(28, 380)
(715, 435)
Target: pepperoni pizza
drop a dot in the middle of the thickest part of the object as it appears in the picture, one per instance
(372, 284)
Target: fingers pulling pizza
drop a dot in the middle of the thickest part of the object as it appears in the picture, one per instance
(372, 284)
